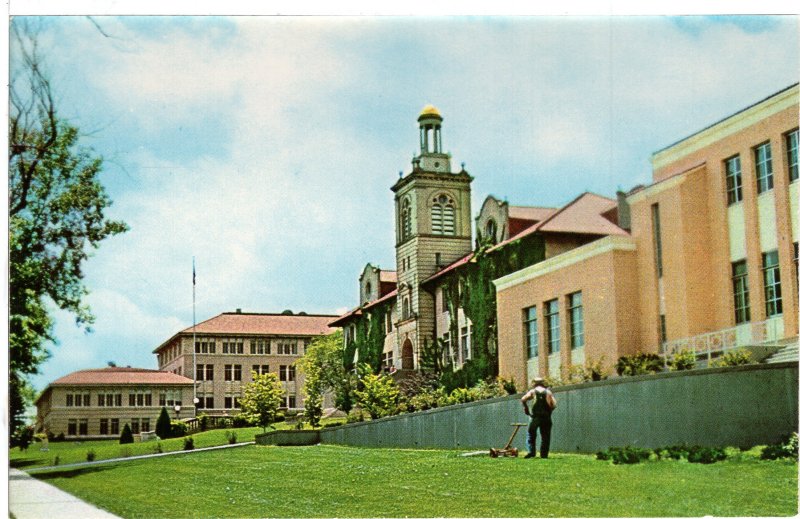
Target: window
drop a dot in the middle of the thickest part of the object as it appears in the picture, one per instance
(741, 294)
(656, 217)
(368, 290)
(795, 253)
(115, 426)
(466, 351)
(443, 216)
(70, 400)
(233, 346)
(576, 320)
(205, 346)
(553, 326)
(145, 424)
(232, 402)
(162, 399)
(291, 401)
(135, 425)
(83, 426)
(287, 348)
(87, 401)
(406, 307)
(260, 347)
(531, 331)
(233, 372)
(772, 283)
(763, 168)
(72, 427)
(387, 361)
(286, 373)
(447, 355)
(104, 426)
(791, 154)
(260, 369)
(405, 220)
(208, 373)
(118, 400)
(733, 178)
(389, 320)
(491, 230)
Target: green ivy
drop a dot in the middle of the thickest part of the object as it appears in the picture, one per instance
(370, 336)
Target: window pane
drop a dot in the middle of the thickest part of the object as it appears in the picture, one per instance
(741, 293)
(733, 174)
(532, 332)
(772, 284)
(791, 155)
(764, 168)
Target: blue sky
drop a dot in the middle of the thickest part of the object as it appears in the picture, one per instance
(265, 147)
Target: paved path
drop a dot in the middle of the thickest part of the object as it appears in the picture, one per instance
(29, 498)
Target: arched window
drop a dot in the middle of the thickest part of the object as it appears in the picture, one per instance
(491, 230)
(406, 307)
(405, 220)
(443, 216)
(368, 290)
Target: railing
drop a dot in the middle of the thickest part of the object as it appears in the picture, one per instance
(758, 334)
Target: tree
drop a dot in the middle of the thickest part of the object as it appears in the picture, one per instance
(126, 436)
(56, 215)
(261, 399)
(323, 367)
(163, 424)
(379, 395)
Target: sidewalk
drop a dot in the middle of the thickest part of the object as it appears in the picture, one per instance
(29, 498)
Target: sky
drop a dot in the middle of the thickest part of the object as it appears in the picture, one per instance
(265, 147)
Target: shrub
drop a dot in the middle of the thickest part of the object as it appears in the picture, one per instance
(57, 460)
(22, 437)
(785, 449)
(240, 421)
(639, 363)
(629, 455)
(427, 399)
(508, 385)
(60, 437)
(90, 455)
(355, 416)
(202, 421)
(591, 371)
(126, 436)
(158, 449)
(231, 437)
(683, 360)
(188, 443)
(280, 416)
(732, 358)
(177, 429)
(675, 452)
(379, 396)
(698, 454)
(163, 428)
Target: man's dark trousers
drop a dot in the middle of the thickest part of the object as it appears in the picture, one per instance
(544, 424)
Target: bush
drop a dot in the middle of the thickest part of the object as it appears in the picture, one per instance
(639, 363)
(698, 454)
(683, 360)
(426, 399)
(158, 449)
(674, 452)
(591, 371)
(379, 396)
(240, 421)
(732, 358)
(60, 437)
(202, 422)
(57, 460)
(177, 429)
(22, 437)
(231, 437)
(163, 428)
(188, 443)
(785, 449)
(90, 455)
(629, 455)
(355, 416)
(126, 436)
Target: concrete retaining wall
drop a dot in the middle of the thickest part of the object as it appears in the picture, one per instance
(741, 406)
(288, 438)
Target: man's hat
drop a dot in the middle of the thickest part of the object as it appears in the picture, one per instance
(538, 381)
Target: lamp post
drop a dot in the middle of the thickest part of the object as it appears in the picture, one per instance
(177, 412)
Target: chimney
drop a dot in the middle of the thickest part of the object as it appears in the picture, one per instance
(623, 211)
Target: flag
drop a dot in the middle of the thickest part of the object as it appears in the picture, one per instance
(194, 274)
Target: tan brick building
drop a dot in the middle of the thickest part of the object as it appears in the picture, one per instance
(229, 347)
(709, 262)
(97, 403)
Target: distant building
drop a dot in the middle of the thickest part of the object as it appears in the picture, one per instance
(97, 403)
(232, 345)
(709, 262)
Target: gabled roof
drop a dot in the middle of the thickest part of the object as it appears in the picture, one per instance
(519, 212)
(118, 375)
(584, 215)
(358, 311)
(240, 323)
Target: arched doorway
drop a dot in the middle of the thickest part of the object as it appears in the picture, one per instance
(407, 355)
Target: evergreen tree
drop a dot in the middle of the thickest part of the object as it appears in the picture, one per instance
(163, 426)
(126, 436)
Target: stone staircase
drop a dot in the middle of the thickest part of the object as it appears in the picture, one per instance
(788, 353)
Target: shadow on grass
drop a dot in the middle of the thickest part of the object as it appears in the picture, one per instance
(69, 473)
(16, 464)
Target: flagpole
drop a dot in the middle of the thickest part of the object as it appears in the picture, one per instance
(194, 341)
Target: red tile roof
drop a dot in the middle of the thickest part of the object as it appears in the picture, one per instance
(530, 213)
(124, 376)
(240, 323)
(451, 267)
(336, 323)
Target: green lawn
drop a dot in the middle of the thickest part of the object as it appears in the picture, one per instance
(334, 481)
(75, 452)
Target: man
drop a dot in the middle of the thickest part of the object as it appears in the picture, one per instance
(543, 405)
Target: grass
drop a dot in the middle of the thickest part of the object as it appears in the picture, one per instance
(335, 481)
(75, 452)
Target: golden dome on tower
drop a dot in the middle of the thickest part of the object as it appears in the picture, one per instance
(430, 111)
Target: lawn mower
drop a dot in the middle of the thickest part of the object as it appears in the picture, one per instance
(508, 450)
